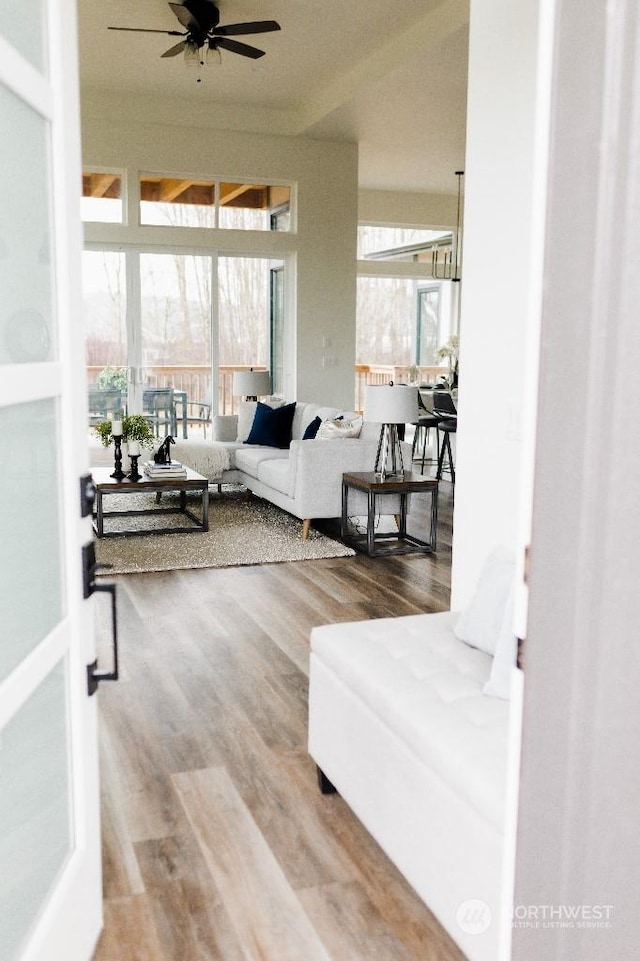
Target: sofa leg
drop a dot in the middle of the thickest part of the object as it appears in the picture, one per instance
(306, 524)
(325, 785)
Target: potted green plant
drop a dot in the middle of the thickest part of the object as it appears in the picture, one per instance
(135, 429)
(103, 430)
(449, 352)
(114, 378)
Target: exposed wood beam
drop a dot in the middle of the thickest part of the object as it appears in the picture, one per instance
(170, 190)
(99, 185)
(229, 192)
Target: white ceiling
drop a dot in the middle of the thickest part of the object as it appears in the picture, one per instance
(390, 76)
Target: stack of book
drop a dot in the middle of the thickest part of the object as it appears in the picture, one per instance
(165, 471)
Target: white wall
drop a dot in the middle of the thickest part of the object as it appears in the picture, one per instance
(497, 282)
(578, 819)
(325, 174)
(408, 207)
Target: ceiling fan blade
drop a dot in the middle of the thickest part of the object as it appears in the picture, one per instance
(174, 51)
(185, 17)
(237, 29)
(242, 48)
(170, 33)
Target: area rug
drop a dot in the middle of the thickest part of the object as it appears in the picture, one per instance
(240, 532)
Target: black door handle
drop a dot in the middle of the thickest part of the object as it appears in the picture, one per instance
(89, 568)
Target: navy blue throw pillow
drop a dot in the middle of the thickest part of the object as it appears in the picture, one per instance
(272, 426)
(312, 429)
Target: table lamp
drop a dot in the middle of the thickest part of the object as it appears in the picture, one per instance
(251, 384)
(390, 404)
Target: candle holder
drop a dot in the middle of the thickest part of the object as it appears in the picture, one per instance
(133, 474)
(118, 473)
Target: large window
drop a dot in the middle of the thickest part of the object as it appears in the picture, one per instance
(196, 319)
(402, 319)
(175, 308)
(385, 320)
(429, 335)
(244, 311)
(186, 202)
(410, 244)
(102, 196)
(105, 309)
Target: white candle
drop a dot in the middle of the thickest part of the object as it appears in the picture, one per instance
(134, 447)
(116, 428)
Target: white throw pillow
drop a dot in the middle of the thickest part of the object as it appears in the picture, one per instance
(246, 413)
(505, 657)
(340, 428)
(480, 623)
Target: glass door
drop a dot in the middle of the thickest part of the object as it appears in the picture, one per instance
(277, 329)
(50, 892)
(176, 338)
(104, 282)
(247, 297)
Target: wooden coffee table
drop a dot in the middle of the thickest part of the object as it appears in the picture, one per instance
(107, 485)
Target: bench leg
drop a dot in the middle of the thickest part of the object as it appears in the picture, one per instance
(325, 785)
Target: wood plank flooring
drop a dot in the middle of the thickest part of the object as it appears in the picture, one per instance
(218, 845)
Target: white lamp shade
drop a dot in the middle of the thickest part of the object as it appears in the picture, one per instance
(251, 383)
(391, 404)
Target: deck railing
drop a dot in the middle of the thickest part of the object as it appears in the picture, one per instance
(367, 374)
(196, 380)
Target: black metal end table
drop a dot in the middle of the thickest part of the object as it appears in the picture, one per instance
(381, 543)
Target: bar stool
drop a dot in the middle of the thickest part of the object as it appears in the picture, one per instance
(444, 407)
(426, 422)
(423, 426)
(447, 427)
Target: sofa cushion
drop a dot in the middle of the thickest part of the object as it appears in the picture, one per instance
(427, 687)
(272, 427)
(275, 473)
(248, 459)
(480, 622)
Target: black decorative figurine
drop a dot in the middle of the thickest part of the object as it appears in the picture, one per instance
(163, 453)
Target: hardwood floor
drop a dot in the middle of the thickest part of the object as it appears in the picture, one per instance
(218, 845)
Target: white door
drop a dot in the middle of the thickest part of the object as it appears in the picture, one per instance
(50, 883)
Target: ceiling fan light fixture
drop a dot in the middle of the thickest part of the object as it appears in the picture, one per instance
(204, 39)
(192, 56)
(213, 56)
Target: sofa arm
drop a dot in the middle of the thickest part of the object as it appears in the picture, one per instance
(316, 469)
(224, 427)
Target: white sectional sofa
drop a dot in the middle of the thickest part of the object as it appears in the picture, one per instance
(304, 479)
(411, 725)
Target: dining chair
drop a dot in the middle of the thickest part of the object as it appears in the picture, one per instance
(199, 412)
(159, 407)
(103, 402)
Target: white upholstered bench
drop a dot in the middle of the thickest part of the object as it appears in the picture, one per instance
(402, 725)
